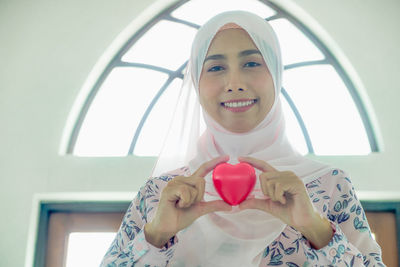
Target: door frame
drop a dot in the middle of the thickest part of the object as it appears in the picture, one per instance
(117, 202)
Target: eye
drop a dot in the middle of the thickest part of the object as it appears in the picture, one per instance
(215, 69)
(252, 64)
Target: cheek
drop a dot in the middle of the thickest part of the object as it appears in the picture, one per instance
(266, 90)
(206, 97)
(208, 90)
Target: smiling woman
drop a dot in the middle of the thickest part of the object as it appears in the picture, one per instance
(299, 212)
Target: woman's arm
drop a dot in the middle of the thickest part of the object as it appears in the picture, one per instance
(352, 243)
(130, 246)
(178, 206)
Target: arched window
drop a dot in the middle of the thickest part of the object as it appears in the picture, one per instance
(127, 107)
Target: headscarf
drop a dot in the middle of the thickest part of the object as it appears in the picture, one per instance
(234, 238)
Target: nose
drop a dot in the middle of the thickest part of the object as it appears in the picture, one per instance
(238, 89)
(234, 81)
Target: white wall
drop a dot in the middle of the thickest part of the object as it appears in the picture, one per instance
(47, 49)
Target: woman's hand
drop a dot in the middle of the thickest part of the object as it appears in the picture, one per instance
(289, 201)
(181, 204)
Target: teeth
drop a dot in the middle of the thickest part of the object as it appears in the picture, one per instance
(239, 104)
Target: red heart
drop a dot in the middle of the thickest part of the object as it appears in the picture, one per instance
(234, 182)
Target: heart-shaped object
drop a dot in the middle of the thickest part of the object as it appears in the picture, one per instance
(234, 182)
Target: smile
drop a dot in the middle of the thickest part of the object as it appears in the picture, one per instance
(239, 105)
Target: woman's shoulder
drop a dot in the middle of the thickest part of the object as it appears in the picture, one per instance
(335, 173)
(183, 171)
(168, 176)
(332, 179)
(330, 175)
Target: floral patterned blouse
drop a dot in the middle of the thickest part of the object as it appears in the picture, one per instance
(332, 195)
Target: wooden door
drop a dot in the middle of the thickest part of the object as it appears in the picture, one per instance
(383, 225)
(61, 224)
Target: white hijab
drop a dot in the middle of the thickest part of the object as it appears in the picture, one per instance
(234, 238)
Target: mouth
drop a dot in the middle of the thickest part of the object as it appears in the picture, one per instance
(239, 105)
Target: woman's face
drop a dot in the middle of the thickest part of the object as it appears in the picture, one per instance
(236, 88)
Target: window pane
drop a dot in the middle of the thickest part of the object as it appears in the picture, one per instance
(293, 130)
(295, 46)
(328, 111)
(119, 105)
(155, 129)
(87, 249)
(199, 11)
(166, 44)
(331, 118)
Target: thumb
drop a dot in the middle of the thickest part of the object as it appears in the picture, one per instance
(215, 205)
(254, 203)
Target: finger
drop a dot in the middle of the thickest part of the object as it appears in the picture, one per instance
(193, 195)
(208, 166)
(271, 189)
(263, 184)
(201, 188)
(267, 186)
(280, 193)
(184, 195)
(257, 163)
(213, 206)
(253, 203)
(197, 183)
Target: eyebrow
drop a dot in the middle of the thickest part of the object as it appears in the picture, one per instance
(241, 54)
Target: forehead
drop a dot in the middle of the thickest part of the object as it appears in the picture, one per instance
(231, 40)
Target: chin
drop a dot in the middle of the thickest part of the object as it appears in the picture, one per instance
(239, 128)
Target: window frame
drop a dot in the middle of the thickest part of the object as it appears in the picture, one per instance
(164, 14)
(46, 209)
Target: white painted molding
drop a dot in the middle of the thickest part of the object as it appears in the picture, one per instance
(70, 197)
(382, 196)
